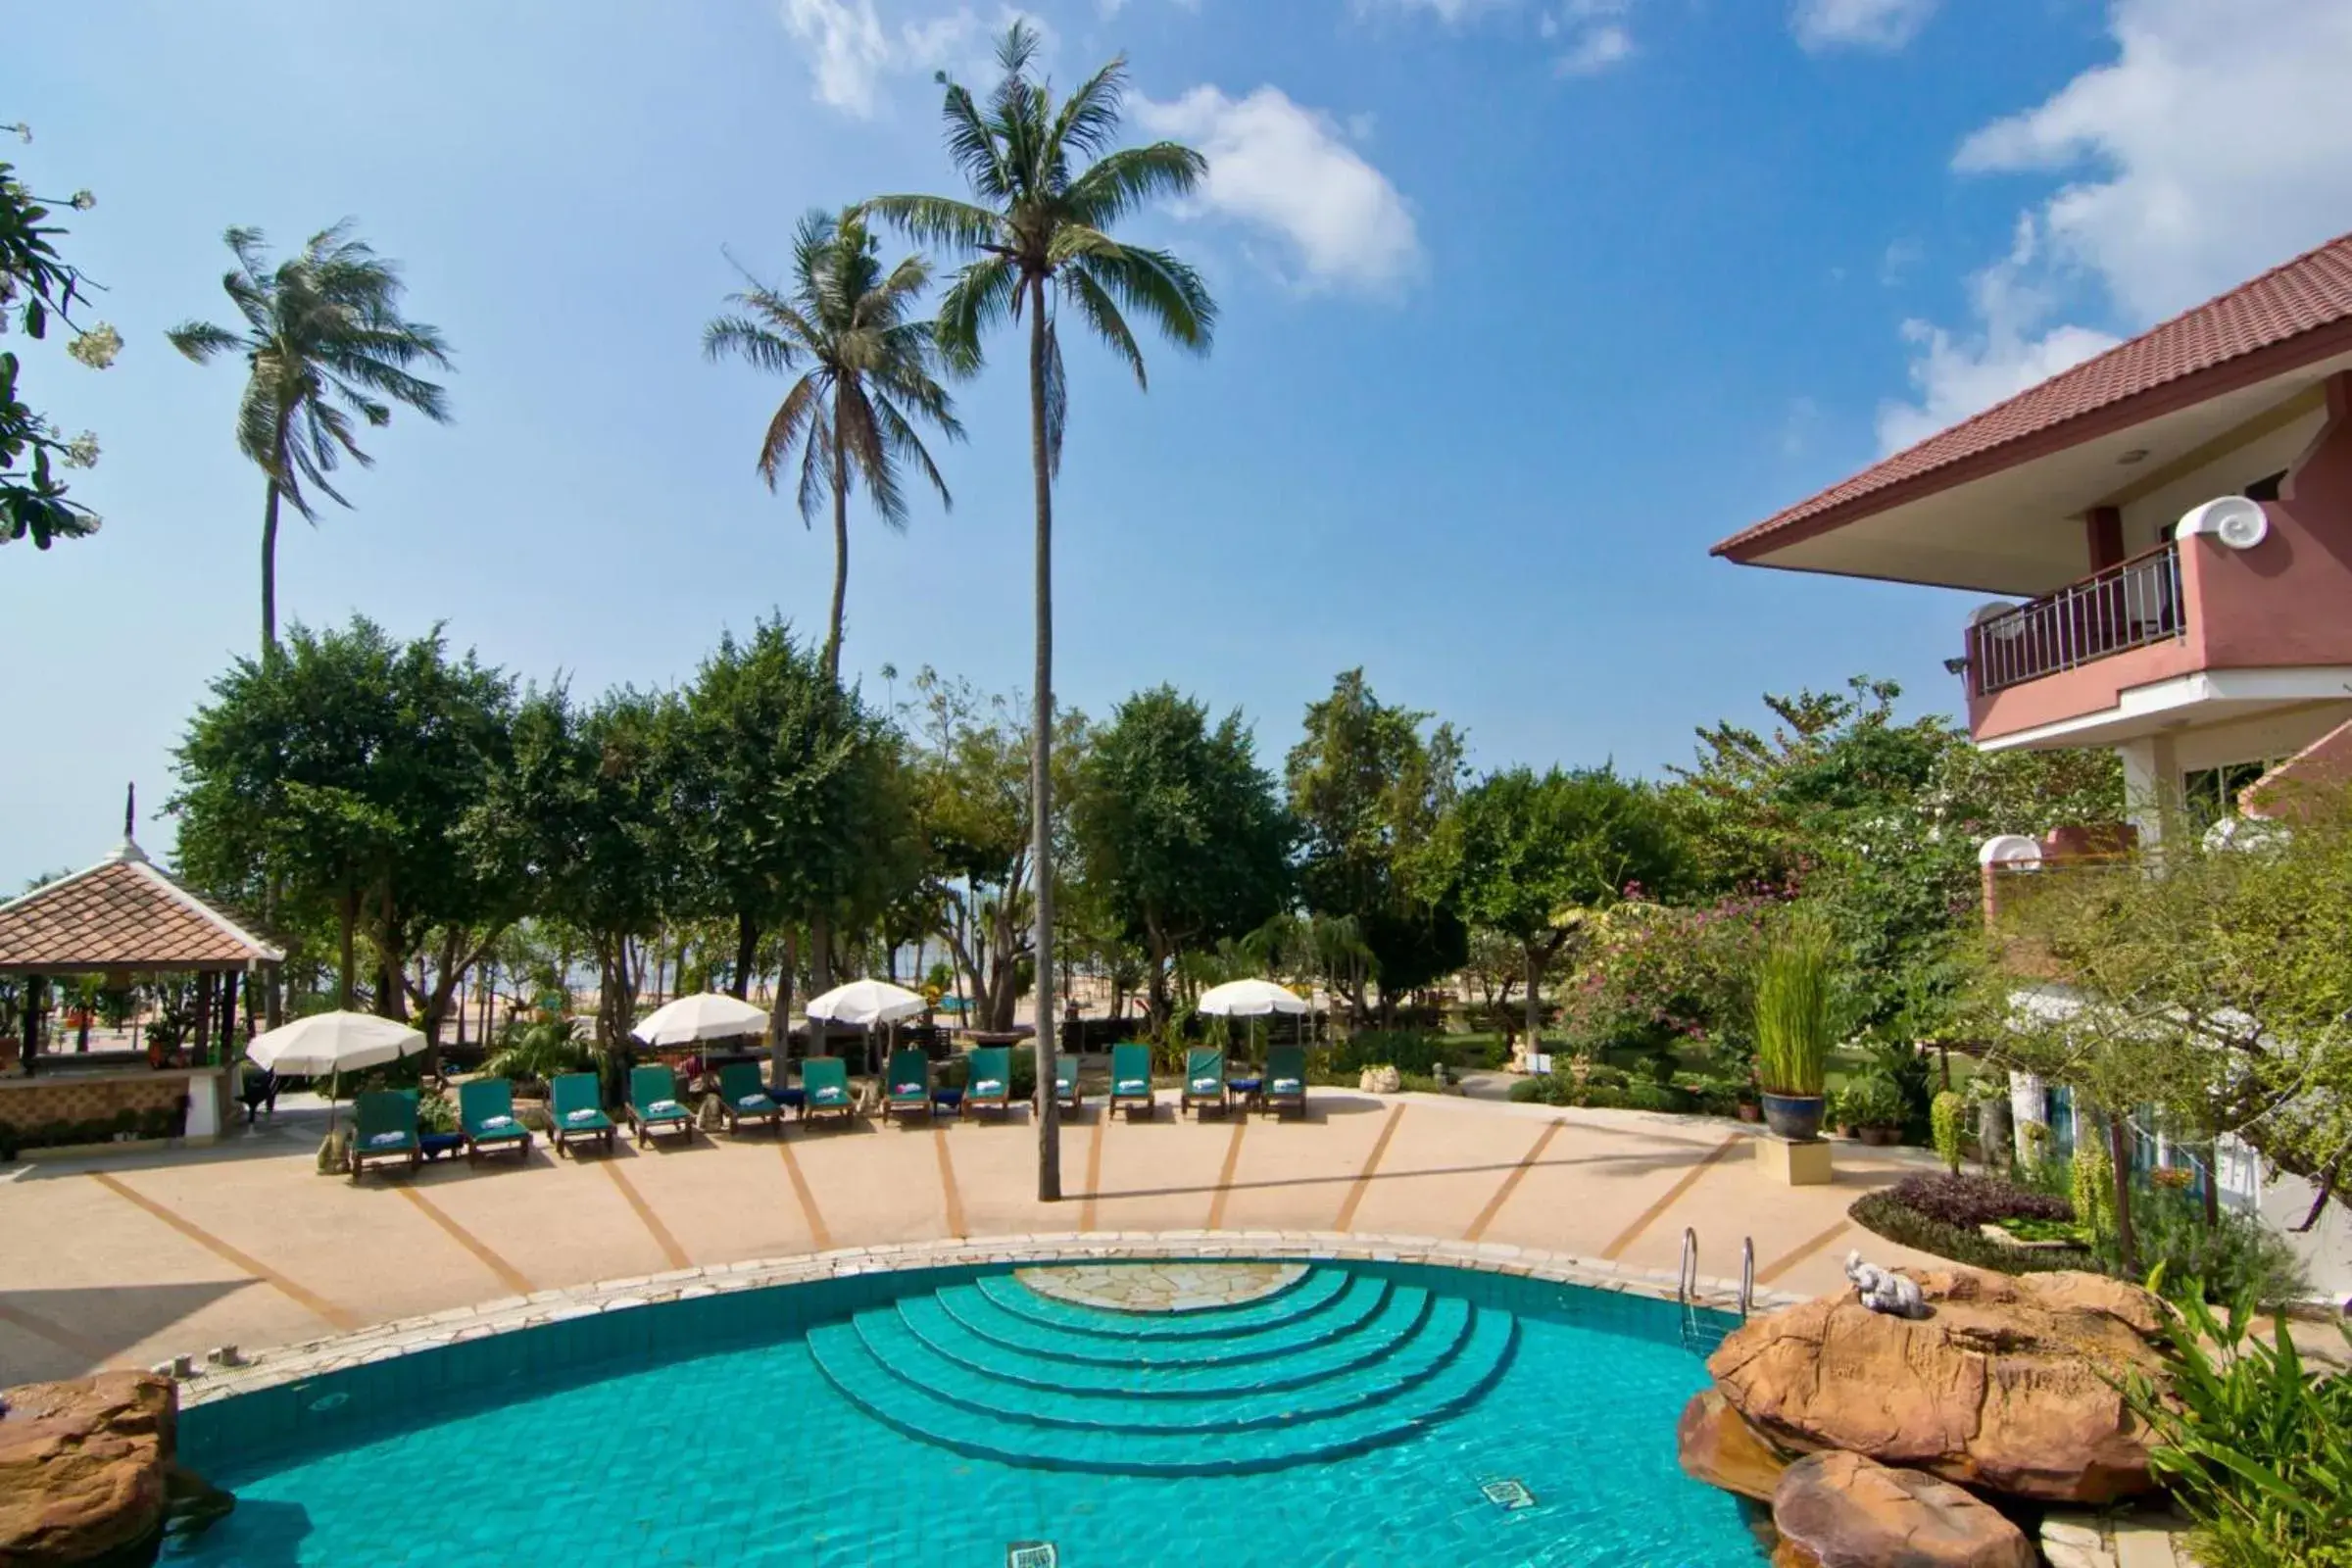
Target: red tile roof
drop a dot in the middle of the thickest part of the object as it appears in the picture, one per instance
(123, 913)
(2310, 292)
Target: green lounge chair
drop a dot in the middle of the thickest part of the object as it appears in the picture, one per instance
(384, 1127)
(488, 1121)
(988, 1084)
(742, 1098)
(906, 1085)
(655, 1105)
(1065, 1083)
(575, 1109)
(1204, 1080)
(1286, 1080)
(825, 1083)
(1131, 1079)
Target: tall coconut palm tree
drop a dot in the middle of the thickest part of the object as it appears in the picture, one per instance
(869, 368)
(1047, 187)
(323, 340)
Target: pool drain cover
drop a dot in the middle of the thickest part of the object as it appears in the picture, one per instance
(1031, 1554)
(1508, 1495)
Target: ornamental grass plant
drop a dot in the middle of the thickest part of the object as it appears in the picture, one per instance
(1794, 997)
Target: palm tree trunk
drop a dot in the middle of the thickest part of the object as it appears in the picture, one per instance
(1534, 1004)
(1040, 757)
(270, 572)
(841, 548)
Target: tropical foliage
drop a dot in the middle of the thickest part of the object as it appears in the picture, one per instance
(38, 287)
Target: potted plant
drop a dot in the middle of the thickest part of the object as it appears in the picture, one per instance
(1873, 1107)
(1792, 998)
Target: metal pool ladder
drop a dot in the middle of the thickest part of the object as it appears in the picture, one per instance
(1686, 1288)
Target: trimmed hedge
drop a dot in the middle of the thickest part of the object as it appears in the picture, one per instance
(158, 1122)
(1885, 1215)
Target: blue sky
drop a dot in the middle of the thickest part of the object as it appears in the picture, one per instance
(1526, 303)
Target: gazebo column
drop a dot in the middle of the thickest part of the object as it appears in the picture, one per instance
(199, 1037)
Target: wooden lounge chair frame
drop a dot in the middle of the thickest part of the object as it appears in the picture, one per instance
(682, 1122)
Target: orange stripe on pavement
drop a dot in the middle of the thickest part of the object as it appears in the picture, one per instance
(821, 1239)
(507, 1273)
(669, 1243)
(309, 1300)
(1363, 1178)
(1511, 1183)
(1674, 1195)
(1799, 1254)
(1233, 1160)
(947, 1181)
(1094, 1171)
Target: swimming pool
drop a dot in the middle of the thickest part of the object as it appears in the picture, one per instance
(1349, 1414)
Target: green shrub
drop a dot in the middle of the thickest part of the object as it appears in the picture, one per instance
(1408, 1050)
(2090, 1185)
(1794, 988)
(1881, 1214)
(2237, 1259)
(1559, 1089)
(1948, 1119)
(534, 1053)
(2256, 1448)
(436, 1113)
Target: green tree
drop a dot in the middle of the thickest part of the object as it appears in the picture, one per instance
(869, 368)
(347, 771)
(38, 286)
(1876, 821)
(1370, 792)
(1180, 830)
(1533, 854)
(323, 340)
(1047, 189)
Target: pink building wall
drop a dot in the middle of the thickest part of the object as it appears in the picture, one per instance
(2285, 604)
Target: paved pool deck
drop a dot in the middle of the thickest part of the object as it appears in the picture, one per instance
(131, 1260)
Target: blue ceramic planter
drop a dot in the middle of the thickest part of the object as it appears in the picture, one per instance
(1796, 1117)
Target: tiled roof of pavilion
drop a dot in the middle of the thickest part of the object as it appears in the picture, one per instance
(123, 913)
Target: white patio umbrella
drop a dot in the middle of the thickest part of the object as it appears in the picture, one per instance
(333, 1042)
(329, 1042)
(1250, 999)
(706, 1016)
(865, 1003)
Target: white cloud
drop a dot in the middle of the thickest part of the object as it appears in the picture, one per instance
(2218, 144)
(2011, 347)
(1859, 23)
(1600, 47)
(1449, 11)
(852, 50)
(1289, 171)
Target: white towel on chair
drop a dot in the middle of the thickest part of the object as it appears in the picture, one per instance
(491, 1124)
(989, 1086)
(663, 1108)
(583, 1114)
(386, 1140)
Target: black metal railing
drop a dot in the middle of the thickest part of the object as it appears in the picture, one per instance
(2126, 605)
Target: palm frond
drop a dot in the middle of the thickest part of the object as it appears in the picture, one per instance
(816, 478)
(750, 341)
(1123, 183)
(1158, 286)
(868, 455)
(1058, 391)
(905, 445)
(1090, 117)
(972, 147)
(1102, 313)
(791, 418)
(985, 296)
(959, 228)
(201, 340)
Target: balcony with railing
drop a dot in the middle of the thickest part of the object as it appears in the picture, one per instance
(2132, 605)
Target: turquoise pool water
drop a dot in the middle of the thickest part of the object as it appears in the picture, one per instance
(1355, 1417)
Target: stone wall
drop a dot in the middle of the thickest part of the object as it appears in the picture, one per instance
(26, 1105)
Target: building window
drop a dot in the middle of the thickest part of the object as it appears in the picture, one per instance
(2209, 795)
